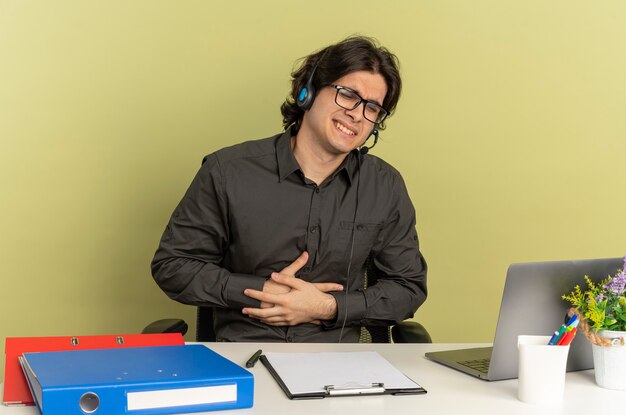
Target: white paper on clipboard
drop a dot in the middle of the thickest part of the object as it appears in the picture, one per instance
(311, 373)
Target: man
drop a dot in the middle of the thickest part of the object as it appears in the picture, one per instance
(276, 233)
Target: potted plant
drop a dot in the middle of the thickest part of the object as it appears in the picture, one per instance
(601, 309)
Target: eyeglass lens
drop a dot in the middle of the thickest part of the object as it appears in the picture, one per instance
(349, 100)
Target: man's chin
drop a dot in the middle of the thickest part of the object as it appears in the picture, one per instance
(342, 150)
(344, 146)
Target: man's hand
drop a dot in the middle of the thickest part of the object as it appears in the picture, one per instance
(288, 301)
(290, 270)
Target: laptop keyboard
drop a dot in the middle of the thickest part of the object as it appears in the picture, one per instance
(481, 365)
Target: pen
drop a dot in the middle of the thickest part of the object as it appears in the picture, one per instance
(567, 338)
(573, 325)
(571, 320)
(571, 337)
(252, 361)
(559, 335)
(554, 338)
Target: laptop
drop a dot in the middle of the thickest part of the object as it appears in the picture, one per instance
(531, 304)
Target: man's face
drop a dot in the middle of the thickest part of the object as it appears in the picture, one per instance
(337, 130)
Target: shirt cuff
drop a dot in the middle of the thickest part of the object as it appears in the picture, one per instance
(234, 295)
(353, 304)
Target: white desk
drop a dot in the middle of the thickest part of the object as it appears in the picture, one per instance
(449, 391)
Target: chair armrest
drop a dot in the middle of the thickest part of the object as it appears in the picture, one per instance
(168, 325)
(410, 332)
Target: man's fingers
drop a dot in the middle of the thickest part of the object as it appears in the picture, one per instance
(328, 286)
(261, 296)
(262, 313)
(283, 279)
(275, 320)
(272, 316)
(296, 283)
(295, 266)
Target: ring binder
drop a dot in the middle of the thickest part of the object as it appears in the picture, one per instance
(16, 392)
(136, 380)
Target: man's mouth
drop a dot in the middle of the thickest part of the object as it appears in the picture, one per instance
(344, 129)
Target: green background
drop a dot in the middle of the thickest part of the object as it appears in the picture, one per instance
(510, 134)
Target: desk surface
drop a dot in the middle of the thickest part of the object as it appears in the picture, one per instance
(449, 391)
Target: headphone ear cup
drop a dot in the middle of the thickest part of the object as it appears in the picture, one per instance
(306, 96)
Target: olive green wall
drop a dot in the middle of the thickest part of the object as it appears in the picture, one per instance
(510, 133)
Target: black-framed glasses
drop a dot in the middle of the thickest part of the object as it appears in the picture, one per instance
(348, 99)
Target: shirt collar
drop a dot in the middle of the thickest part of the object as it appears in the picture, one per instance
(287, 163)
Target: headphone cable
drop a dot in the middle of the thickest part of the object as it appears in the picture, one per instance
(359, 156)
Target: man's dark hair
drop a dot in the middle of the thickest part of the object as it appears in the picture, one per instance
(356, 53)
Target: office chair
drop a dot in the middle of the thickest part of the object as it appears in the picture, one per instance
(204, 325)
(405, 332)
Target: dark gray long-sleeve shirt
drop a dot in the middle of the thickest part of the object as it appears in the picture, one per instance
(250, 212)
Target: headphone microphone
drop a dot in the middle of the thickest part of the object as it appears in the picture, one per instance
(364, 149)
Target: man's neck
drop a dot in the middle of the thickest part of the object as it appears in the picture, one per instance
(316, 164)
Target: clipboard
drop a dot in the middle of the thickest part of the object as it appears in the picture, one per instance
(333, 374)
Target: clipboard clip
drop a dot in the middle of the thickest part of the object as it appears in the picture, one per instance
(374, 388)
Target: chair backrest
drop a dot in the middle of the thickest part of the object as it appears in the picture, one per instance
(205, 332)
(377, 334)
(404, 332)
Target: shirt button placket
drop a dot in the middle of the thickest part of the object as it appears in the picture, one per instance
(314, 228)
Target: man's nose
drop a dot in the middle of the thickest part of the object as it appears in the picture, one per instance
(356, 113)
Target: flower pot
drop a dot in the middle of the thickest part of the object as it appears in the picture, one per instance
(610, 362)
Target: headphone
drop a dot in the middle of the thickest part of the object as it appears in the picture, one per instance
(307, 92)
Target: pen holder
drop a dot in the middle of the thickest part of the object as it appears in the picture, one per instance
(541, 370)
